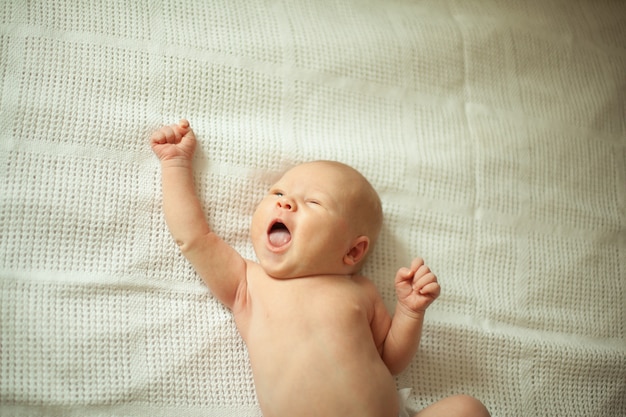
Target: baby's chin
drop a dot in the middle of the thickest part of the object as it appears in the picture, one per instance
(278, 271)
(285, 272)
(281, 270)
(278, 275)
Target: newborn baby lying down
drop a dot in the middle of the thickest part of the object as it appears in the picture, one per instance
(320, 340)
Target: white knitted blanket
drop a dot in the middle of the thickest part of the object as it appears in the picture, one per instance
(495, 132)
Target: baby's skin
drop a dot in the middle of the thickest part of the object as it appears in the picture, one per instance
(320, 340)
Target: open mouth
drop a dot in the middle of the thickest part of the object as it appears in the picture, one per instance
(278, 234)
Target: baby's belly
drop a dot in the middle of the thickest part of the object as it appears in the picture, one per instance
(320, 375)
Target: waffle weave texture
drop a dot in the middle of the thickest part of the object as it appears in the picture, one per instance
(494, 131)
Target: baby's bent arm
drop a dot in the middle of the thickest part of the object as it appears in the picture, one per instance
(417, 288)
(402, 340)
(220, 266)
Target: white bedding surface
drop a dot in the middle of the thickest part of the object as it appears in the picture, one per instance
(495, 132)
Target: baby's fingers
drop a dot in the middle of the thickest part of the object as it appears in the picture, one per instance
(403, 274)
(158, 137)
(423, 281)
(422, 271)
(431, 289)
(166, 134)
(406, 274)
(171, 134)
(416, 264)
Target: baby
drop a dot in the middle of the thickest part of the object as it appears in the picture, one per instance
(320, 340)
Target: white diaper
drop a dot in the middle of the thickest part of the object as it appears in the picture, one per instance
(403, 396)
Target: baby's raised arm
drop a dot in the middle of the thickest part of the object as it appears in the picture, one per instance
(220, 266)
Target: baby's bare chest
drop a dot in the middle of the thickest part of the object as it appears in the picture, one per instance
(302, 309)
(314, 338)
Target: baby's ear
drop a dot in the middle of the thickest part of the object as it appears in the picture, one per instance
(357, 252)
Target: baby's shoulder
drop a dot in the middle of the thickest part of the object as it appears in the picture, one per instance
(361, 280)
(365, 284)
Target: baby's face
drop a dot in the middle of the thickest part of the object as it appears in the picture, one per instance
(303, 226)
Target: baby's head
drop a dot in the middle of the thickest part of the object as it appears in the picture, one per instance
(319, 218)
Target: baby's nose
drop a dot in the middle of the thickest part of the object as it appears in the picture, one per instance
(286, 204)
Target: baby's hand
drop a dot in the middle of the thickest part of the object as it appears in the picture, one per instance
(174, 141)
(416, 287)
